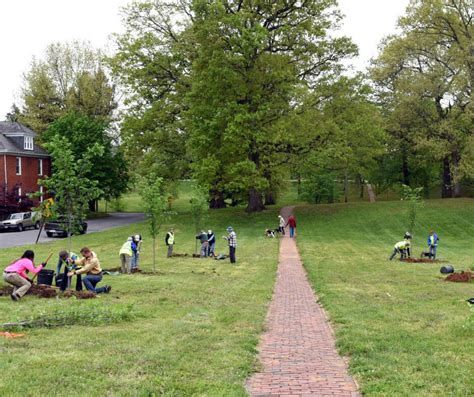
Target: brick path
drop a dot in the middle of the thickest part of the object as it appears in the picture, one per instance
(297, 352)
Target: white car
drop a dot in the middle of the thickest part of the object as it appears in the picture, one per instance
(20, 221)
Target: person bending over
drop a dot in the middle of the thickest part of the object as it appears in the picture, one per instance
(402, 247)
(66, 258)
(15, 274)
(90, 266)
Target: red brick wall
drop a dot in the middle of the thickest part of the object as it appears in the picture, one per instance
(28, 180)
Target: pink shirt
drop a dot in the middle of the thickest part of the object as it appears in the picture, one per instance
(23, 264)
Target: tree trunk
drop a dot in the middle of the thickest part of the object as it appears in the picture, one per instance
(447, 188)
(456, 184)
(346, 187)
(361, 186)
(154, 255)
(92, 205)
(217, 200)
(269, 198)
(255, 203)
(405, 170)
(299, 184)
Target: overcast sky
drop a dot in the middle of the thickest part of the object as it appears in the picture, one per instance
(28, 26)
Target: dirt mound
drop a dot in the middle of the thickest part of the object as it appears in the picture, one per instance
(176, 255)
(79, 294)
(43, 291)
(463, 277)
(419, 260)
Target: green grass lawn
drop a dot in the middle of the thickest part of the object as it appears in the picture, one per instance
(195, 327)
(406, 331)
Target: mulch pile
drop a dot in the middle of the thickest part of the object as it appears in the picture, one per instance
(79, 294)
(419, 260)
(463, 277)
(175, 255)
(43, 291)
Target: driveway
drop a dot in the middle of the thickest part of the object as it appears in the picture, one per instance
(116, 219)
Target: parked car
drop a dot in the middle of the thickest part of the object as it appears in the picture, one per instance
(20, 221)
(58, 228)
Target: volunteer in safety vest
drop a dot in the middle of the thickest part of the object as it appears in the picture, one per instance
(169, 240)
(402, 247)
(125, 255)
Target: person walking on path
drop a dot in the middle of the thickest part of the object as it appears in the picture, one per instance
(66, 259)
(15, 274)
(232, 240)
(211, 240)
(169, 240)
(432, 244)
(292, 224)
(281, 226)
(125, 255)
(90, 265)
(204, 243)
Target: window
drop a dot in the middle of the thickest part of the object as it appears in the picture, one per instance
(18, 165)
(19, 194)
(40, 166)
(28, 143)
(41, 191)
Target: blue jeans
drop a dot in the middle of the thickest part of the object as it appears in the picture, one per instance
(292, 231)
(134, 261)
(91, 280)
(210, 250)
(433, 251)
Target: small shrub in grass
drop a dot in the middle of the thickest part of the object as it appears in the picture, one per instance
(95, 314)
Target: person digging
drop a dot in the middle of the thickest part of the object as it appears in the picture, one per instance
(15, 274)
(91, 266)
(402, 247)
(66, 259)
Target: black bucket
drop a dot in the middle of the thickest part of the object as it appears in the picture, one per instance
(46, 277)
(447, 269)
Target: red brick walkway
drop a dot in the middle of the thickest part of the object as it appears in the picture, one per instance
(297, 352)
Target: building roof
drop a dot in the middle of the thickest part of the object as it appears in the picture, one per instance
(12, 144)
(7, 127)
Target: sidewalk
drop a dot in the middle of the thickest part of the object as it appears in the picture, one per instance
(298, 350)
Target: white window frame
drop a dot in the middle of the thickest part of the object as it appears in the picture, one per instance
(41, 191)
(28, 142)
(19, 194)
(40, 166)
(18, 165)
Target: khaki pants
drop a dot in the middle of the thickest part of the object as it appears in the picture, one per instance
(21, 286)
(125, 263)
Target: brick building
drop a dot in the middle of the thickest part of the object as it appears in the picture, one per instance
(22, 162)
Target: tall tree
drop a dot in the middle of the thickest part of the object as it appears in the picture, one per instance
(70, 184)
(425, 77)
(109, 167)
(218, 76)
(70, 77)
(252, 60)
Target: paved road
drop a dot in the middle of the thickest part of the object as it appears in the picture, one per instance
(13, 239)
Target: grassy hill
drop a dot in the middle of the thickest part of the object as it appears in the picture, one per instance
(406, 331)
(192, 329)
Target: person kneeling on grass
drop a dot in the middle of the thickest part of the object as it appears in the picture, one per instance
(15, 274)
(402, 247)
(90, 265)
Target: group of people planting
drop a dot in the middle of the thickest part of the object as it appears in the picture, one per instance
(88, 266)
(403, 247)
